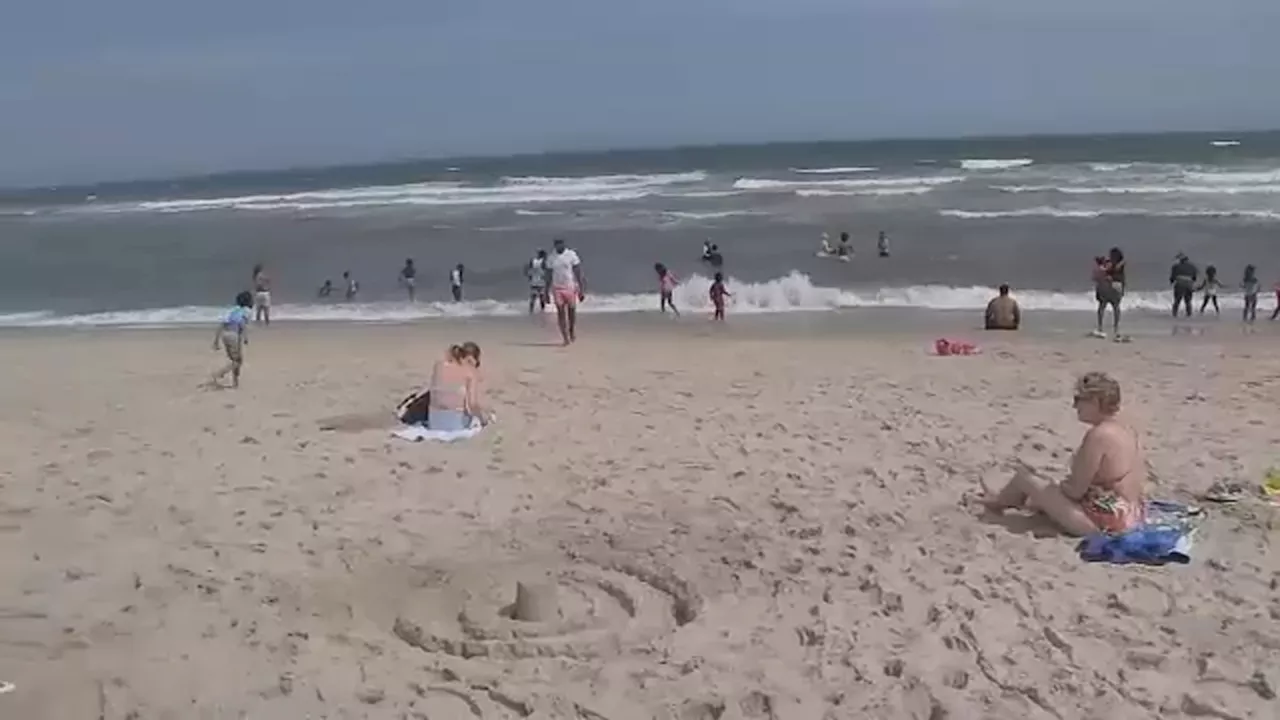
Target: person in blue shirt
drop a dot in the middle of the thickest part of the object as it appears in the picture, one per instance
(232, 335)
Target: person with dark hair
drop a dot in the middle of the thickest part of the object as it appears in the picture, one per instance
(409, 279)
(667, 282)
(1210, 285)
(1183, 276)
(261, 295)
(455, 282)
(1002, 312)
(231, 337)
(1251, 288)
(1109, 286)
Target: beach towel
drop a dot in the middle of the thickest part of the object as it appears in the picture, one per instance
(419, 433)
(1167, 536)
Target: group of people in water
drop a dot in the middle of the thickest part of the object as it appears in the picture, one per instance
(407, 279)
(844, 250)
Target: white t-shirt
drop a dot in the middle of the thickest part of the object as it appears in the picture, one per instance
(455, 277)
(561, 266)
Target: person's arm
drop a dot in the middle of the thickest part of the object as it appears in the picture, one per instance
(243, 332)
(579, 279)
(470, 401)
(1085, 465)
(989, 318)
(1017, 315)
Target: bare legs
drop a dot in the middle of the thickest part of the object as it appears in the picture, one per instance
(1025, 490)
(1115, 317)
(567, 318)
(233, 368)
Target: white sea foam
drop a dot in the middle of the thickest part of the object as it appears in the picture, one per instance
(510, 190)
(710, 214)
(995, 164)
(1162, 189)
(1109, 167)
(537, 213)
(769, 184)
(1265, 215)
(885, 191)
(1235, 177)
(833, 170)
(1224, 143)
(793, 292)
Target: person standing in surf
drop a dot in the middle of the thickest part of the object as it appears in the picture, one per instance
(667, 282)
(353, 287)
(567, 288)
(718, 293)
(1183, 276)
(455, 282)
(409, 278)
(1109, 286)
(1251, 287)
(882, 244)
(536, 272)
(261, 295)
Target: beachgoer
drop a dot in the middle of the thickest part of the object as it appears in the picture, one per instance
(715, 258)
(1105, 489)
(1002, 312)
(1183, 276)
(536, 272)
(718, 293)
(409, 278)
(325, 290)
(353, 287)
(1109, 287)
(1251, 286)
(882, 244)
(231, 337)
(667, 282)
(479, 410)
(1210, 285)
(261, 295)
(1276, 313)
(567, 288)
(455, 282)
(706, 250)
(826, 248)
(843, 249)
(452, 388)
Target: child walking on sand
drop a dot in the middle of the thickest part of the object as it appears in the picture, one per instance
(1251, 286)
(232, 335)
(667, 282)
(1210, 285)
(718, 293)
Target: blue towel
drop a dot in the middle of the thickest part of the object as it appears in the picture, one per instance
(1165, 538)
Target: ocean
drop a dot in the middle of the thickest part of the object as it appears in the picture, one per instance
(963, 216)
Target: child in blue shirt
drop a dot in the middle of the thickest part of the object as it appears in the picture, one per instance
(232, 335)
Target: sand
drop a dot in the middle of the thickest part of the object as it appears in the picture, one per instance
(728, 523)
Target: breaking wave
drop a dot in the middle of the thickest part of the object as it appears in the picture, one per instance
(792, 292)
(995, 164)
(1268, 215)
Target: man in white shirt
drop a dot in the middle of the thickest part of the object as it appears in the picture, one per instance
(567, 288)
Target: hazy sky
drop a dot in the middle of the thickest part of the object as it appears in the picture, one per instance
(96, 90)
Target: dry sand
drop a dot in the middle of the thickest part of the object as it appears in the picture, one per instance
(733, 526)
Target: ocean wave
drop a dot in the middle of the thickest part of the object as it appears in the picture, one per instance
(509, 191)
(711, 214)
(1165, 189)
(995, 164)
(885, 191)
(747, 183)
(1234, 177)
(833, 170)
(1224, 143)
(792, 292)
(1267, 215)
(1109, 167)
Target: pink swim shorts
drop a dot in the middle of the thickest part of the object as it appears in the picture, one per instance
(565, 295)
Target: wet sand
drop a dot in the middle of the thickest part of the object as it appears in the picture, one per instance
(760, 520)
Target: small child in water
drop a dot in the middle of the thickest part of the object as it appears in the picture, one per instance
(718, 293)
(231, 336)
(1251, 286)
(667, 282)
(1210, 285)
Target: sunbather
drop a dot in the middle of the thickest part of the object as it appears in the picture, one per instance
(1104, 491)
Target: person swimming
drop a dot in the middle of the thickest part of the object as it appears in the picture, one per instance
(882, 244)
(844, 249)
(353, 287)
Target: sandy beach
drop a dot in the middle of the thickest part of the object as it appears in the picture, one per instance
(737, 522)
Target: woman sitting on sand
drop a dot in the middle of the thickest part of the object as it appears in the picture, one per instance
(453, 389)
(1104, 491)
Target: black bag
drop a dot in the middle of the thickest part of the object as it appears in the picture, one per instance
(413, 409)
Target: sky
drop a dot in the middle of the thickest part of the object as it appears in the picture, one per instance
(132, 89)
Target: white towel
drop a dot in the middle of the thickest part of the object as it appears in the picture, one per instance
(418, 433)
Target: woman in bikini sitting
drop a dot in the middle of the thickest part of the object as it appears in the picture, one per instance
(1104, 492)
(453, 389)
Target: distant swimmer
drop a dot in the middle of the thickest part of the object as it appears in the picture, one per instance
(827, 250)
(1002, 312)
(882, 245)
(325, 290)
(706, 250)
(568, 288)
(844, 249)
(455, 282)
(261, 295)
(409, 278)
(536, 273)
(353, 287)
